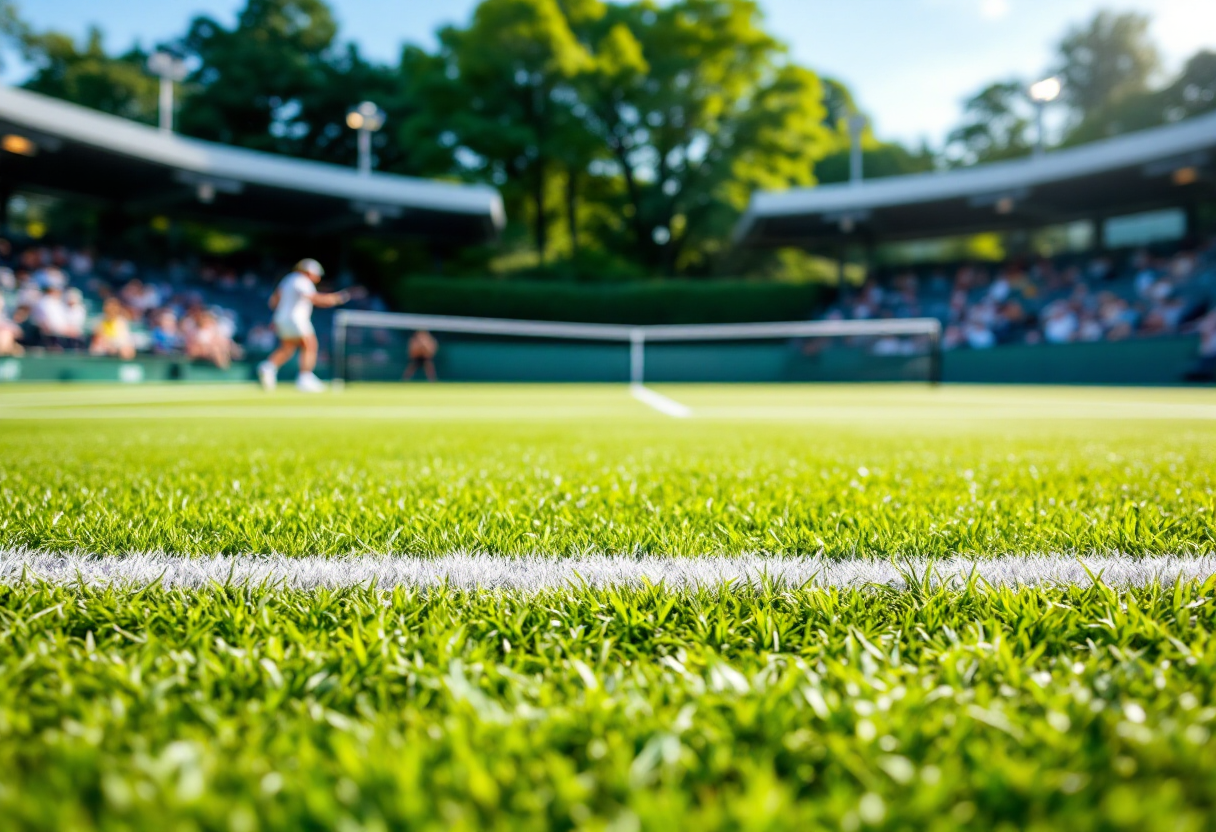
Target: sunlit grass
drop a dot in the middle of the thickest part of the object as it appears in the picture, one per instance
(1054, 708)
(238, 707)
(913, 475)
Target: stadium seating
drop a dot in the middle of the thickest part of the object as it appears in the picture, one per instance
(1072, 298)
(163, 307)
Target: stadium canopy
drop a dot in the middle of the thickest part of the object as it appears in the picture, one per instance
(62, 149)
(1169, 166)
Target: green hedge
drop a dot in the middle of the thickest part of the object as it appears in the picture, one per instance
(643, 302)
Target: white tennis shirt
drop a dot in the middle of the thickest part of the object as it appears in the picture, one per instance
(295, 298)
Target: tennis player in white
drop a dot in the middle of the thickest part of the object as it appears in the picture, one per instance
(292, 303)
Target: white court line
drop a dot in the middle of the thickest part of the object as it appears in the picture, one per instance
(86, 395)
(289, 410)
(666, 406)
(537, 572)
(314, 412)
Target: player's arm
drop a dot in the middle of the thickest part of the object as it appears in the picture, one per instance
(274, 300)
(324, 300)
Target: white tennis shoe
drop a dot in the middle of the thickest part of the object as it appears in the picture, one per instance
(309, 383)
(267, 375)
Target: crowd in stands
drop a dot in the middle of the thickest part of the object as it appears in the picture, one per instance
(1060, 300)
(57, 299)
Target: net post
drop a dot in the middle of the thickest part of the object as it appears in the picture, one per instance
(935, 357)
(339, 373)
(637, 356)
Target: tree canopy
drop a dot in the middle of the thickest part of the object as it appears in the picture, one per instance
(626, 137)
(1111, 83)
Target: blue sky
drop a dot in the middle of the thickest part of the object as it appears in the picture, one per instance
(911, 62)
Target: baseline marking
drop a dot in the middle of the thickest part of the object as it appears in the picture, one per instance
(666, 406)
(537, 573)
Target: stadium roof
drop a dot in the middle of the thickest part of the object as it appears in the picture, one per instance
(64, 149)
(1161, 167)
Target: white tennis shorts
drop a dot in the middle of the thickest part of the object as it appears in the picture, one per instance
(293, 328)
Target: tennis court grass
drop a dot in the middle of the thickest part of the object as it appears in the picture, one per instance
(869, 472)
(765, 705)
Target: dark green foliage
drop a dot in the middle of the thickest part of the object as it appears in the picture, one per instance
(1107, 60)
(996, 125)
(1192, 93)
(635, 302)
(887, 159)
(85, 73)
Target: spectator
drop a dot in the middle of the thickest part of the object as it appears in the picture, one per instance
(28, 293)
(75, 318)
(1090, 329)
(10, 333)
(50, 316)
(165, 338)
(80, 264)
(50, 277)
(139, 298)
(112, 335)
(1060, 324)
(978, 335)
(205, 340)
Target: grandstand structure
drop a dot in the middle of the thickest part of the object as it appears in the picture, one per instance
(133, 172)
(1093, 315)
(1135, 308)
(1166, 167)
(63, 149)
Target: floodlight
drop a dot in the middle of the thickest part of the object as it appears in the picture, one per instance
(1043, 93)
(370, 117)
(1185, 176)
(165, 64)
(365, 118)
(170, 68)
(857, 124)
(20, 145)
(1046, 91)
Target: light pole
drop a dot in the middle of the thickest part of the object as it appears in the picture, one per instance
(857, 125)
(366, 118)
(170, 69)
(1043, 93)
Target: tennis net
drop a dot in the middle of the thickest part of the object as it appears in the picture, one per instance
(374, 346)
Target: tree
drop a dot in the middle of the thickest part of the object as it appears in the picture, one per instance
(879, 159)
(996, 125)
(1107, 68)
(1194, 91)
(252, 80)
(839, 104)
(86, 74)
(696, 105)
(505, 95)
(1106, 61)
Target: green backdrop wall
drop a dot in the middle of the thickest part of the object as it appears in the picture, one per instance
(1159, 361)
